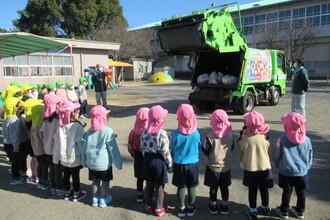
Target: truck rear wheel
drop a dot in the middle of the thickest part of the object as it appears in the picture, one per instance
(246, 103)
(275, 97)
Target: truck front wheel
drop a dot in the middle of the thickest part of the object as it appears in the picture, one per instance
(275, 97)
(246, 103)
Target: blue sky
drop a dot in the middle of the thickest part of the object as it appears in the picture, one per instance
(136, 12)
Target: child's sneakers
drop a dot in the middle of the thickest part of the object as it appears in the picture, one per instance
(60, 192)
(252, 213)
(213, 209)
(224, 209)
(68, 195)
(282, 213)
(79, 195)
(103, 202)
(182, 212)
(297, 213)
(264, 210)
(42, 187)
(149, 210)
(17, 181)
(34, 179)
(160, 212)
(141, 198)
(191, 211)
(95, 202)
(52, 191)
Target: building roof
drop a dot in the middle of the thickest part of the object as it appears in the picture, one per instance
(260, 3)
(246, 6)
(87, 44)
(18, 43)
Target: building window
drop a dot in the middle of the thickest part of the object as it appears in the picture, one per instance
(298, 23)
(260, 19)
(248, 20)
(37, 65)
(260, 28)
(314, 21)
(284, 25)
(63, 71)
(298, 12)
(313, 10)
(248, 30)
(326, 8)
(272, 17)
(325, 19)
(285, 15)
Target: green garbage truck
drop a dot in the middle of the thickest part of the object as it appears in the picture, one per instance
(226, 71)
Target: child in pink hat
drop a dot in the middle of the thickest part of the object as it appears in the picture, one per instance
(254, 149)
(293, 156)
(134, 148)
(70, 135)
(218, 147)
(185, 145)
(100, 151)
(50, 127)
(157, 157)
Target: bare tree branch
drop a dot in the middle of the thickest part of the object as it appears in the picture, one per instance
(293, 37)
(133, 43)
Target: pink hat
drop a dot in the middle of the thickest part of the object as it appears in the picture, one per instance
(220, 124)
(255, 123)
(187, 122)
(156, 119)
(65, 112)
(294, 126)
(50, 101)
(99, 117)
(141, 121)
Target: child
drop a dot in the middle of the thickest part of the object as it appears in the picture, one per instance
(42, 91)
(50, 127)
(37, 143)
(60, 91)
(27, 92)
(82, 95)
(218, 147)
(293, 156)
(134, 148)
(100, 150)
(25, 140)
(254, 151)
(155, 149)
(70, 137)
(71, 93)
(185, 145)
(52, 88)
(34, 91)
(11, 129)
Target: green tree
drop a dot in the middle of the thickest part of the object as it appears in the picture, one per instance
(2, 30)
(41, 17)
(67, 18)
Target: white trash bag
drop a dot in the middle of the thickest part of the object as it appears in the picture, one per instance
(229, 79)
(203, 79)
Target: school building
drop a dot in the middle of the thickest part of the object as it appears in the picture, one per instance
(28, 58)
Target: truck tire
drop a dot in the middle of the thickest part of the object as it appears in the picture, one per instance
(275, 97)
(246, 103)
